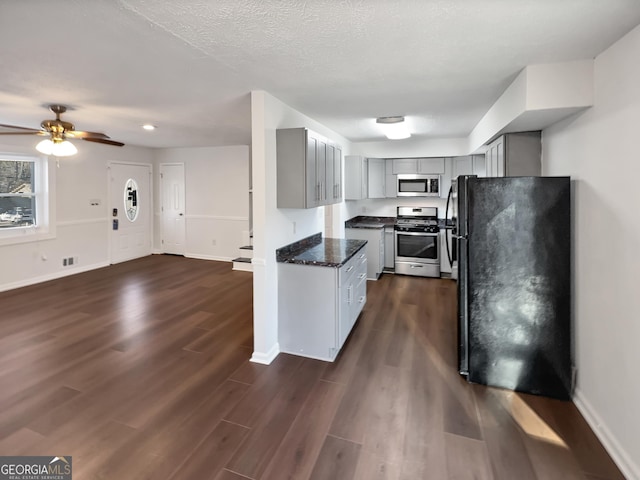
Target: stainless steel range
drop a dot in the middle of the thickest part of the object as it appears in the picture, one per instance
(417, 242)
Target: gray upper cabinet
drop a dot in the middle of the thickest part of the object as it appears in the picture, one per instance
(514, 155)
(468, 165)
(431, 166)
(390, 180)
(337, 174)
(377, 177)
(356, 177)
(427, 166)
(309, 169)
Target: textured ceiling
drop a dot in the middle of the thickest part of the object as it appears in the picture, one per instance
(188, 66)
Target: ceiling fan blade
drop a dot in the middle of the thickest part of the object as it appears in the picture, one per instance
(103, 140)
(19, 128)
(35, 132)
(85, 135)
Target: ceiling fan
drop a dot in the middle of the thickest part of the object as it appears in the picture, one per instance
(59, 133)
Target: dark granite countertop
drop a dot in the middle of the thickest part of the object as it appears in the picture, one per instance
(319, 251)
(370, 222)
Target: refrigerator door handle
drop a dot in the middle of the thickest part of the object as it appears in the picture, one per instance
(447, 231)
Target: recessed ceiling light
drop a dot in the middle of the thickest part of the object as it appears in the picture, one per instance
(148, 126)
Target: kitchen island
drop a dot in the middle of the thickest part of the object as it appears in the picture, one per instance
(322, 289)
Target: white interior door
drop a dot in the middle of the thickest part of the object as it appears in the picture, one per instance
(173, 208)
(130, 197)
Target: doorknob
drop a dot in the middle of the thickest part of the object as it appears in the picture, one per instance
(181, 214)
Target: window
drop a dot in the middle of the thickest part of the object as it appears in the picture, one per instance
(27, 198)
(17, 193)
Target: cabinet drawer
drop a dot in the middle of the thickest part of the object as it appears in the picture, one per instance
(348, 270)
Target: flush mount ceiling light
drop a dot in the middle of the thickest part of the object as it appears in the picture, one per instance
(148, 126)
(394, 128)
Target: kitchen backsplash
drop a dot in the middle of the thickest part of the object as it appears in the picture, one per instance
(386, 207)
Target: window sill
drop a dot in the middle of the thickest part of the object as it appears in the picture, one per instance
(18, 235)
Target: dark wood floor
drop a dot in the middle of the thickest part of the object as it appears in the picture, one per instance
(141, 371)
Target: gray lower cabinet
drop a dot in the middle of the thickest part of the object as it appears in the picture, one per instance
(375, 248)
(445, 237)
(318, 306)
(389, 248)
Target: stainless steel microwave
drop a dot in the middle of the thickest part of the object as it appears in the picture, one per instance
(410, 185)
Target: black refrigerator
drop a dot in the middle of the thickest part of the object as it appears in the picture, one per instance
(514, 282)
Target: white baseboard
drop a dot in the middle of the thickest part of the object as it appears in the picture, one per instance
(208, 257)
(629, 468)
(52, 276)
(266, 358)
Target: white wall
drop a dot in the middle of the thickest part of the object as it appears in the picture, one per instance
(599, 149)
(82, 230)
(412, 147)
(217, 199)
(273, 228)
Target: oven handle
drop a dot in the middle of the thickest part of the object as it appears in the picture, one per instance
(421, 234)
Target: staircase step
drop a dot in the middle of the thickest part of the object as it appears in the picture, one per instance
(242, 260)
(242, 264)
(247, 247)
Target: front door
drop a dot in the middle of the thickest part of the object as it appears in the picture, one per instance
(130, 197)
(172, 208)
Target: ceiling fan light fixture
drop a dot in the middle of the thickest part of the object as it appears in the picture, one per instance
(394, 128)
(60, 148)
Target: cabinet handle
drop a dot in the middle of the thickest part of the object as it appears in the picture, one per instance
(362, 255)
(349, 269)
(361, 276)
(350, 294)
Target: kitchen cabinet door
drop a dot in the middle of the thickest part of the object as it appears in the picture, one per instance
(431, 166)
(462, 166)
(356, 177)
(311, 177)
(389, 247)
(514, 155)
(390, 180)
(445, 265)
(376, 178)
(337, 174)
(321, 172)
(479, 165)
(405, 165)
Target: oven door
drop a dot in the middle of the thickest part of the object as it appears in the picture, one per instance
(419, 247)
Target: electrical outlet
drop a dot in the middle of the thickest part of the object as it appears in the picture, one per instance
(70, 261)
(64, 262)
